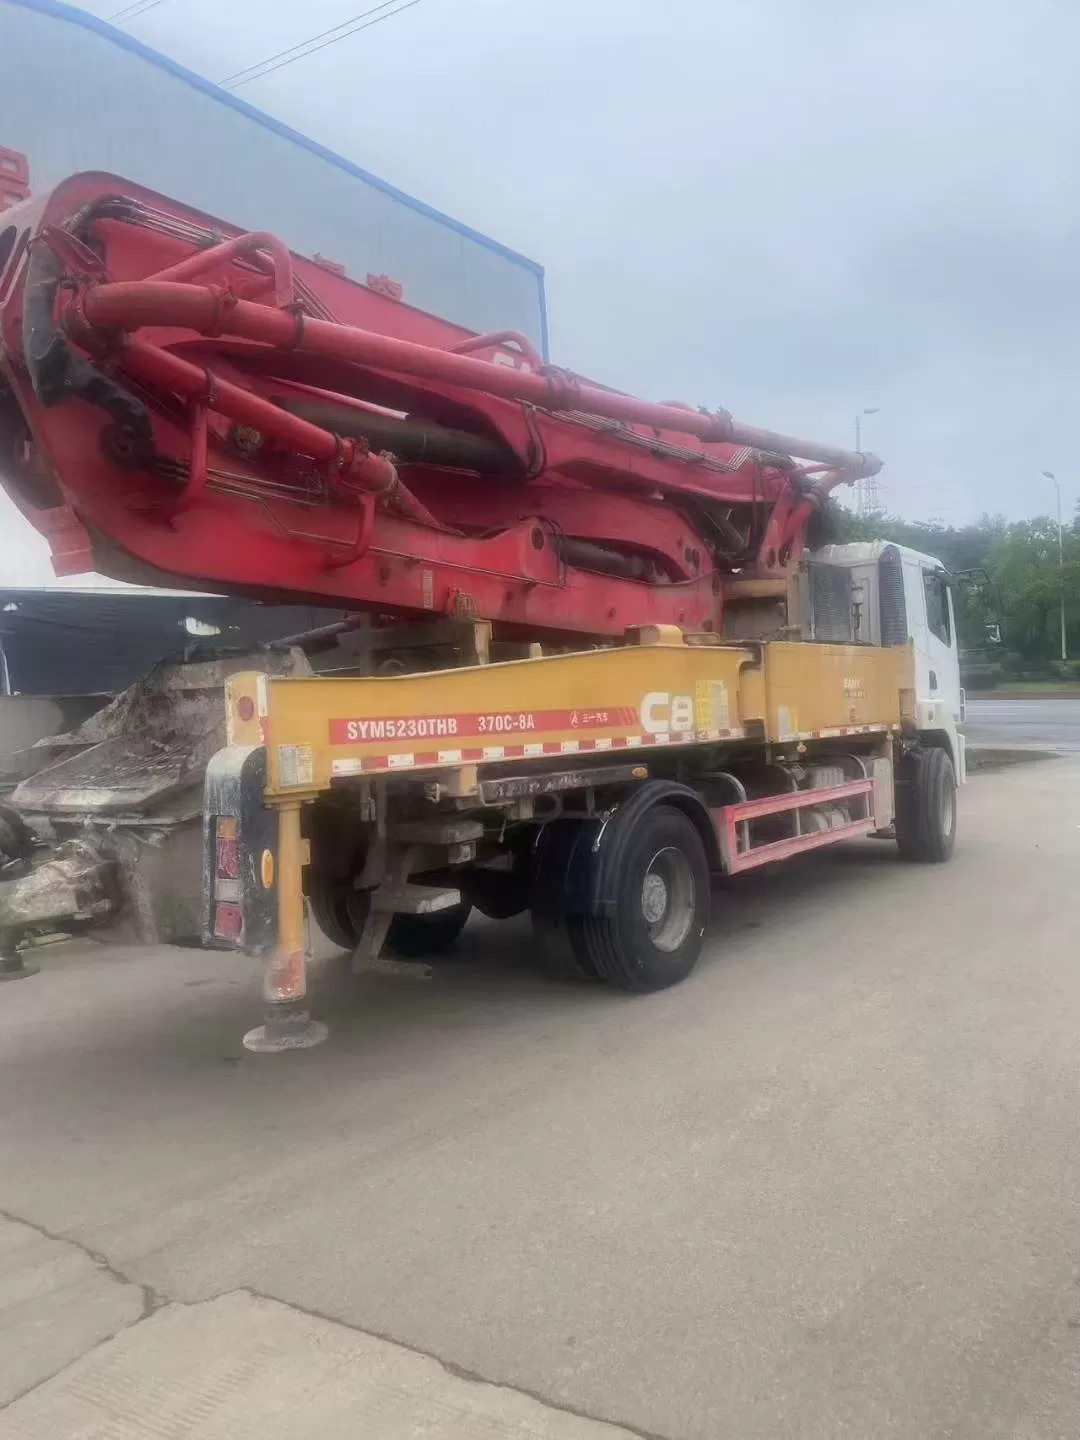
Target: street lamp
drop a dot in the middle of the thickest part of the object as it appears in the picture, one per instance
(868, 486)
(1049, 475)
(872, 410)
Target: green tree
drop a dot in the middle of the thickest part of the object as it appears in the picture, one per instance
(1023, 586)
(1025, 566)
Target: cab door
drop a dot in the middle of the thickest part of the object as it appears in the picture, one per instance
(942, 661)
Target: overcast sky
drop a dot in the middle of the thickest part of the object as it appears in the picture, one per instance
(792, 208)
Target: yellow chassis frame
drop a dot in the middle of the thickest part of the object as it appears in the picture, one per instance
(664, 690)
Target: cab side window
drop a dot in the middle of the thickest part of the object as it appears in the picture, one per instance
(937, 605)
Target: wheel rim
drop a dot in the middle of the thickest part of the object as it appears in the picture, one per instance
(948, 809)
(668, 898)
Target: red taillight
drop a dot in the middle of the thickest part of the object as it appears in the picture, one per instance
(228, 849)
(228, 921)
(228, 910)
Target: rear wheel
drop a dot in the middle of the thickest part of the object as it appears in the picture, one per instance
(926, 806)
(338, 907)
(653, 936)
(498, 894)
(561, 845)
(341, 911)
(411, 937)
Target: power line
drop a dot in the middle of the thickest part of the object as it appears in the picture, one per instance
(304, 48)
(307, 47)
(133, 11)
(303, 44)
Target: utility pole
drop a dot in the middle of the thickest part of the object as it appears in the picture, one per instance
(868, 487)
(1049, 475)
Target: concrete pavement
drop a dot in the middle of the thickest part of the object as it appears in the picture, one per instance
(828, 1187)
(1052, 724)
(246, 1366)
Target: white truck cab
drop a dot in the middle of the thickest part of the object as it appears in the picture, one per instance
(877, 593)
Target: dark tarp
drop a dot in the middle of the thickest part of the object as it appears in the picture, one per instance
(80, 642)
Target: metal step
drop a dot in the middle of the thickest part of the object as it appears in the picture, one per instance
(444, 830)
(414, 899)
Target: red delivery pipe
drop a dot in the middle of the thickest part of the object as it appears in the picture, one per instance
(128, 305)
(280, 265)
(155, 366)
(512, 338)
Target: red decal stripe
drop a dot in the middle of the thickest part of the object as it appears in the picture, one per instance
(493, 727)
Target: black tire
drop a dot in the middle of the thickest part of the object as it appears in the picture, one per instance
(557, 851)
(338, 907)
(926, 807)
(558, 956)
(411, 937)
(654, 937)
(341, 911)
(498, 894)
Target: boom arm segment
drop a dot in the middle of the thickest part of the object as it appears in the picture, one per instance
(180, 400)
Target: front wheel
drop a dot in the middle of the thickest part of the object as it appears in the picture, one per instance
(653, 936)
(926, 806)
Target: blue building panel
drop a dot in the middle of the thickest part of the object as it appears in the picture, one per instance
(76, 94)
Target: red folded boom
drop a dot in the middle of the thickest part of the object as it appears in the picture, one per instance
(189, 404)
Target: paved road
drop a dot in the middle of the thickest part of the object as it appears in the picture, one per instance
(1049, 724)
(829, 1187)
